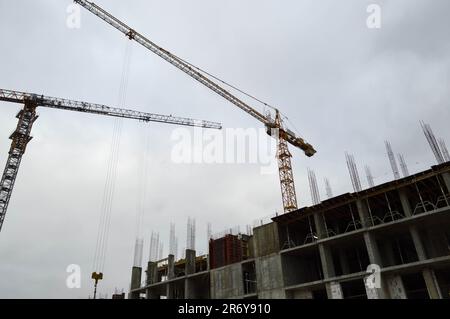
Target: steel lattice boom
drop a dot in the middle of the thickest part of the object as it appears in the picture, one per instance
(284, 135)
(27, 116)
(77, 106)
(20, 139)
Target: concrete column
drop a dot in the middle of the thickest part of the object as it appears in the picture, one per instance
(152, 273)
(320, 225)
(334, 290)
(190, 262)
(405, 202)
(363, 213)
(372, 249)
(136, 274)
(432, 285)
(389, 254)
(417, 242)
(171, 267)
(170, 291)
(395, 287)
(327, 261)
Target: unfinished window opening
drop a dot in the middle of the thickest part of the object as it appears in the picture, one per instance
(429, 192)
(354, 289)
(298, 233)
(443, 279)
(443, 199)
(397, 249)
(437, 242)
(302, 267)
(415, 286)
(249, 277)
(350, 257)
(320, 294)
(342, 219)
(385, 208)
(414, 200)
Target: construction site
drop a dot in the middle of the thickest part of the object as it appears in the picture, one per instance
(323, 251)
(387, 240)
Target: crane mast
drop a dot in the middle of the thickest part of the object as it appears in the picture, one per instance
(274, 126)
(20, 139)
(22, 135)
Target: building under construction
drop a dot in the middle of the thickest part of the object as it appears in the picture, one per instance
(401, 229)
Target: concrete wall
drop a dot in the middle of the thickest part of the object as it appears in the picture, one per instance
(269, 277)
(227, 282)
(302, 294)
(265, 240)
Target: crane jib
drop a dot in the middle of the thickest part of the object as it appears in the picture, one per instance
(187, 68)
(84, 107)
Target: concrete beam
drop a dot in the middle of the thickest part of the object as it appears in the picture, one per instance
(432, 284)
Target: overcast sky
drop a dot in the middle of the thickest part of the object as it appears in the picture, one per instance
(343, 86)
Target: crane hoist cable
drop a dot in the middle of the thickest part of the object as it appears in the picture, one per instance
(142, 183)
(111, 177)
(234, 87)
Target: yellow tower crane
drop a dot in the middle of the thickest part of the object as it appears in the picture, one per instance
(274, 124)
